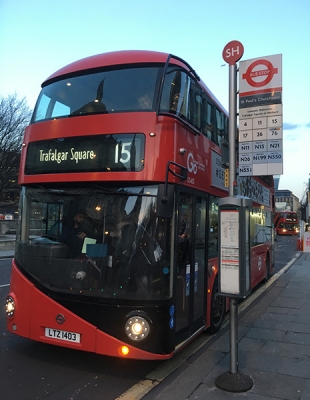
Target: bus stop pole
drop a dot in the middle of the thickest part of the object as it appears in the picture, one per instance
(232, 127)
(234, 380)
(233, 303)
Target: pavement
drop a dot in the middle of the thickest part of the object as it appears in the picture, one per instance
(273, 349)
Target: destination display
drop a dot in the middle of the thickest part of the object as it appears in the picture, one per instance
(95, 153)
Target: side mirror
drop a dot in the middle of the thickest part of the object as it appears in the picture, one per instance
(165, 200)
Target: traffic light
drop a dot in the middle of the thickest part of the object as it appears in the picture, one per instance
(226, 177)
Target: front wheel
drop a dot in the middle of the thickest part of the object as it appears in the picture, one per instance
(217, 309)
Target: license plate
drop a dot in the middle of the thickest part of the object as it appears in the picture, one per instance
(63, 335)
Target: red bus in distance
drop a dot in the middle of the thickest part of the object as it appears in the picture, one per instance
(286, 223)
(117, 245)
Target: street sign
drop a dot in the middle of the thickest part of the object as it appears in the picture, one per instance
(272, 110)
(232, 52)
(267, 73)
(260, 116)
(260, 81)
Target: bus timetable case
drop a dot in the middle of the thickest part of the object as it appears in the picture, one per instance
(234, 256)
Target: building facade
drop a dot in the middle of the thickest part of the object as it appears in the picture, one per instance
(286, 201)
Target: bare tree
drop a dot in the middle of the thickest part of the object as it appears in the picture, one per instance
(14, 117)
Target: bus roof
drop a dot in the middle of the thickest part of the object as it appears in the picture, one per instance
(114, 58)
(124, 57)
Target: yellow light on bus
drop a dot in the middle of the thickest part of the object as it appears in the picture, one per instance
(123, 350)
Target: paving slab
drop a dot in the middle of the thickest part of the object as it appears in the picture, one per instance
(273, 348)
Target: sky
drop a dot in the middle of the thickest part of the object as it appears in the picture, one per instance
(38, 37)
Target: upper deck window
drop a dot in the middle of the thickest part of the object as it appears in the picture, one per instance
(107, 91)
(182, 96)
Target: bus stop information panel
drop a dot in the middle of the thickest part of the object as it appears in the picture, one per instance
(234, 266)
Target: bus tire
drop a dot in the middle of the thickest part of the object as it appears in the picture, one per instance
(217, 309)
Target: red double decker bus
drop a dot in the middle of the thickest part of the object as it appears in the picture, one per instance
(286, 223)
(117, 243)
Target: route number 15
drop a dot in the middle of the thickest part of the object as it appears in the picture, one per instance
(124, 151)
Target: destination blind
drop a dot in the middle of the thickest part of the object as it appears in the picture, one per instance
(95, 153)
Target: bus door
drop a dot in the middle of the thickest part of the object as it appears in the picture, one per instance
(190, 264)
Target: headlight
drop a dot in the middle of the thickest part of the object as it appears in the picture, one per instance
(137, 328)
(10, 306)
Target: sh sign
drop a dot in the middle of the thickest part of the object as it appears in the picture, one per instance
(232, 52)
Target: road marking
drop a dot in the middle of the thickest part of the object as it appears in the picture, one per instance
(140, 389)
(4, 285)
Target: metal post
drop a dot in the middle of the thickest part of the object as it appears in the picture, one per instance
(233, 381)
(232, 127)
(233, 310)
(233, 315)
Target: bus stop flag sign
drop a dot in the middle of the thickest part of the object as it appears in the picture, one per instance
(260, 81)
(232, 52)
(260, 116)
